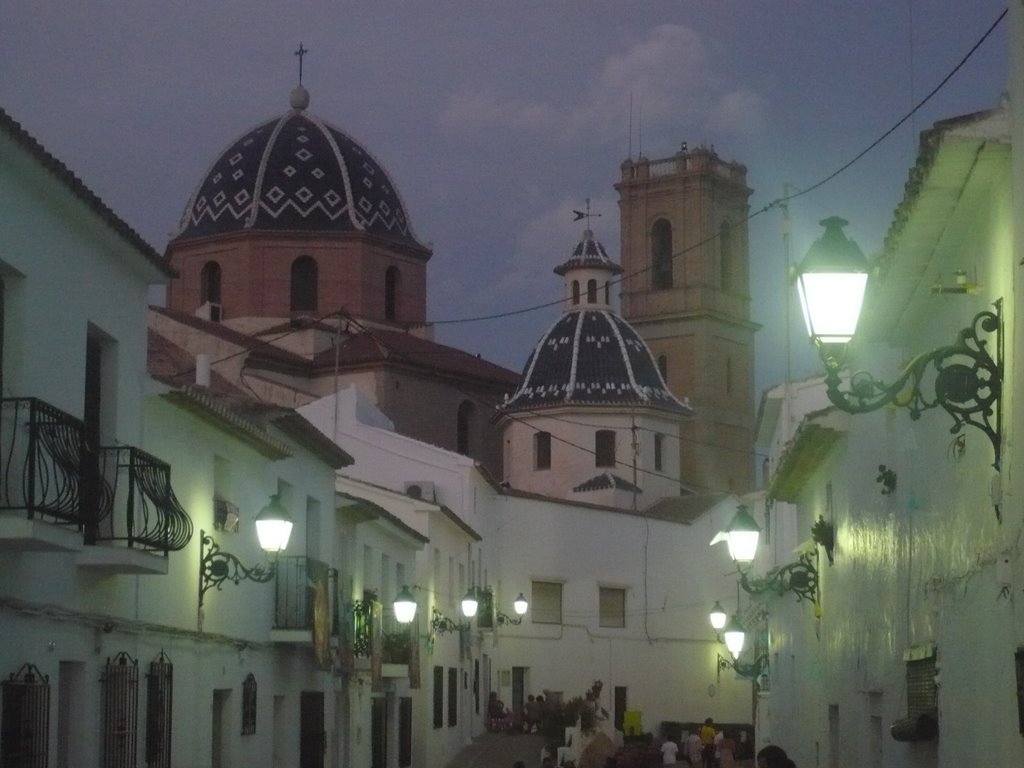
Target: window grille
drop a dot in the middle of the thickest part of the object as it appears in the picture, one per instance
(1018, 658)
(249, 705)
(120, 707)
(25, 723)
(922, 693)
(159, 685)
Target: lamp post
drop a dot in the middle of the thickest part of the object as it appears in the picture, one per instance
(800, 577)
(520, 606)
(273, 529)
(718, 617)
(963, 378)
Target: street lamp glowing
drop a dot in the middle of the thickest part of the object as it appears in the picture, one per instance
(405, 606)
(520, 605)
(273, 526)
(831, 281)
(742, 536)
(718, 616)
(734, 637)
(470, 603)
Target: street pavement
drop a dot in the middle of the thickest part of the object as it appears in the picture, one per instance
(500, 750)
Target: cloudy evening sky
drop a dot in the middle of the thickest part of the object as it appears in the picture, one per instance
(496, 120)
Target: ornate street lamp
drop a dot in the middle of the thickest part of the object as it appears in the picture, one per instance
(964, 378)
(404, 606)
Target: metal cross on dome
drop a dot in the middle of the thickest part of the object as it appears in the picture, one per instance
(300, 53)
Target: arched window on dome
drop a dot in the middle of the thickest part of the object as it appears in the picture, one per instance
(575, 292)
(592, 292)
(209, 288)
(661, 255)
(304, 284)
(391, 282)
(607, 292)
(464, 426)
(604, 448)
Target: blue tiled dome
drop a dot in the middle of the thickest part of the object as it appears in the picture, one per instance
(296, 173)
(592, 357)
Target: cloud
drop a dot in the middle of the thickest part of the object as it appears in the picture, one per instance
(739, 113)
(658, 83)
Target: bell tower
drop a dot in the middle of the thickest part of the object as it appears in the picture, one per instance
(686, 290)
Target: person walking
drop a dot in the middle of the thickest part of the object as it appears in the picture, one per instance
(707, 744)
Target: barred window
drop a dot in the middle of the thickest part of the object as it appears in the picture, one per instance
(120, 706)
(159, 687)
(249, 705)
(25, 723)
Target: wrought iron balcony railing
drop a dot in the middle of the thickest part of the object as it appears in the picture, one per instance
(136, 503)
(304, 588)
(41, 462)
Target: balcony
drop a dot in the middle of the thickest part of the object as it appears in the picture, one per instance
(303, 597)
(138, 518)
(41, 457)
(114, 507)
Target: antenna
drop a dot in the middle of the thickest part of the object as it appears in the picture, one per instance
(640, 152)
(631, 125)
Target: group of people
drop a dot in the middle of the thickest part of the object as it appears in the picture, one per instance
(501, 718)
(708, 748)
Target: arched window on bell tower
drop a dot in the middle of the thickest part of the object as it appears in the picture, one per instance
(575, 292)
(391, 281)
(591, 291)
(304, 284)
(661, 255)
(209, 289)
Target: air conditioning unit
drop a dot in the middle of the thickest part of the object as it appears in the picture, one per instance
(421, 489)
(210, 311)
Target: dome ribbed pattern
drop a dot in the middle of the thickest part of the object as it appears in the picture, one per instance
(296, 173)
(592, 357)
(588, 254)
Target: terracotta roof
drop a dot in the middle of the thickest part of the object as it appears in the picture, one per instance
(360, 350)
(77, 187)
(170, 364)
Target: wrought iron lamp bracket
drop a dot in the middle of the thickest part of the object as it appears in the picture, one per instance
(963, 379)
(216, 567)
(800, 578)
(441, 624)
(751, 671)
(503, 619)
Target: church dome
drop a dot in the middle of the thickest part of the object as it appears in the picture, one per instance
(296, 173)
(592, 357)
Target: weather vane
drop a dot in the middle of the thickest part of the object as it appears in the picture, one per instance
(577, 215)
(300, 53)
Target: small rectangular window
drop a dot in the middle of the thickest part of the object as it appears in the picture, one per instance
(546, 602)
(542, 450)
(604, 448)
(453, 697)
(659, 441)
(438, 697)
(612, 607)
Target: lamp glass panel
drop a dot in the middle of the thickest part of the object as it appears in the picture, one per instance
(743, 545)
(718, 617)
(831, 304)
(734, 637)
(469, 605)
(273, 534)
(405, 607)
(520, 605)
